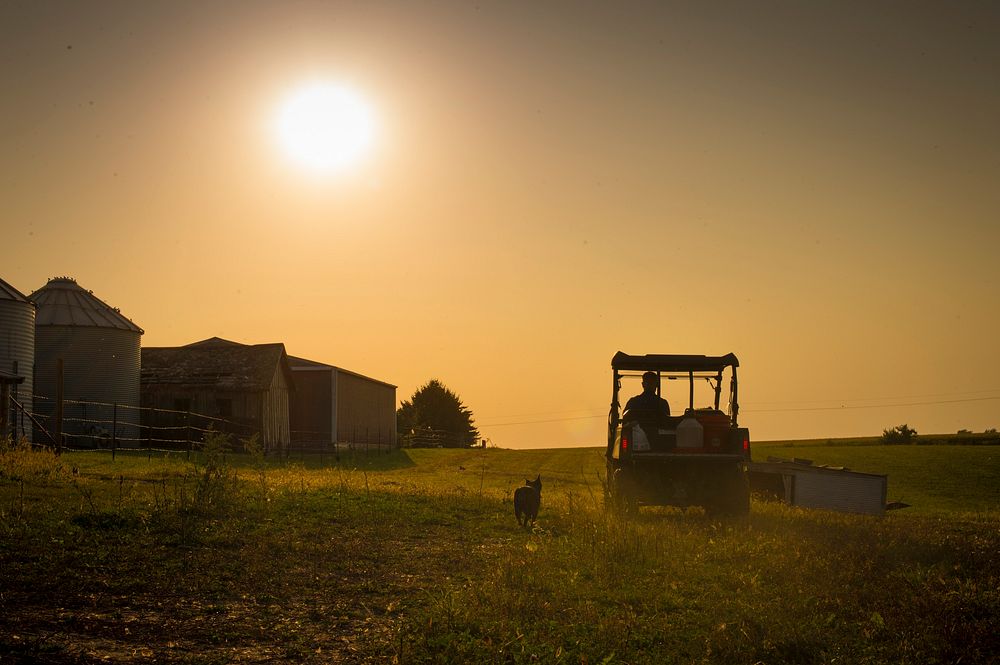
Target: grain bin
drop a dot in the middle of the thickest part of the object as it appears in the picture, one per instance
(17, 357)
(99, 349)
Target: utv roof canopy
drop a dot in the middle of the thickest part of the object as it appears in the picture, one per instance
(673, 363)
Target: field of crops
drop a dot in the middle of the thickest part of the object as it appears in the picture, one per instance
(416, 557)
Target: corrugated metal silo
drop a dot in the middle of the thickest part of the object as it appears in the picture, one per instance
(17, 353)
(100, 352)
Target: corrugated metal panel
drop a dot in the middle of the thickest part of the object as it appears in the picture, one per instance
(99, 365)
(357, 408)
(843, 491)
(366, 409)
(311, 405)
(17, 353)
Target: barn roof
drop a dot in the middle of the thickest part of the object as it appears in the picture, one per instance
(304, 365)
(8, 292)
(63, 302)
(216, 363)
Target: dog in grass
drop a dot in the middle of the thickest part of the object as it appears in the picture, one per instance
(527, 500)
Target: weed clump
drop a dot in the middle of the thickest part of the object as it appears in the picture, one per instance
(19, 461)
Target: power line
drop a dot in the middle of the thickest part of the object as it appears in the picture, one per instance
(547, 420)
(878, 399)
(842, 407)
(537, 413)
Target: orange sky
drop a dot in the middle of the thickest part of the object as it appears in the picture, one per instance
(811, 186)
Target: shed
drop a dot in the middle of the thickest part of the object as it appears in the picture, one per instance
(17, 361)
(800, 483)
(99, 350)
(335, 405)
(239, 388)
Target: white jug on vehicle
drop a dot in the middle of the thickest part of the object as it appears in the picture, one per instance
(690, 433)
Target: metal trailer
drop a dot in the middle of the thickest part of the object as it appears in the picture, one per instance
(800, 483)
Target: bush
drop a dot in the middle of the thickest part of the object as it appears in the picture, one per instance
(899, 434)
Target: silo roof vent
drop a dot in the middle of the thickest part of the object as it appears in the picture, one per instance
(63, 302)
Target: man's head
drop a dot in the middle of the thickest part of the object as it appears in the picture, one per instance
(649, 382)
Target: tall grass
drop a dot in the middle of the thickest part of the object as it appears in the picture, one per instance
(416, 557)
(789, 586)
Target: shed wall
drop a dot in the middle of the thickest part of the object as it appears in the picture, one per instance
(311, 405)
(366, 410)
(243, 418)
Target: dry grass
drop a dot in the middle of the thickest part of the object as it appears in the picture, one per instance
(415, 557)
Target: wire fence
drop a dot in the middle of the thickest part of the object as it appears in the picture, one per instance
(427, 437)
(78, 425)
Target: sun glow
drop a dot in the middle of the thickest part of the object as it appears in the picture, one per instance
(325, 127)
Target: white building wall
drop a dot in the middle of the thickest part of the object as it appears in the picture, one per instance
(843, 491)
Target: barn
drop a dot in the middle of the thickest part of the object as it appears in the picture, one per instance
(242, 389)
(335, 405)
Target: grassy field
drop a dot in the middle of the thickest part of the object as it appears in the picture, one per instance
(415, 557)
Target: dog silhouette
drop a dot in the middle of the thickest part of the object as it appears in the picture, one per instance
(527, 500)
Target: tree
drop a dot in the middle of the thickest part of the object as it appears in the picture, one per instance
(435, 416)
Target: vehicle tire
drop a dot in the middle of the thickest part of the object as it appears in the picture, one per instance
(624, 494)
(740, 497)
(610, 488)
(732, 497)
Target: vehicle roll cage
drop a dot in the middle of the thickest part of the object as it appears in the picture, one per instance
(674, 367)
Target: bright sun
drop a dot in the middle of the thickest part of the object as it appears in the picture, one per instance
(325, 127)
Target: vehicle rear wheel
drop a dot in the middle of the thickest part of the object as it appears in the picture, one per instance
(623, 494)
(732, 497)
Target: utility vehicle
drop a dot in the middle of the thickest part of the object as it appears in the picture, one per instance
(699, 457)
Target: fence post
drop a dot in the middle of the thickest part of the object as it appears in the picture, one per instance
(59, 405)
(149, 427)
(5, 411)
(114, 431)
(187, 432)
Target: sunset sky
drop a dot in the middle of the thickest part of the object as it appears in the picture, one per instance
(812, 186)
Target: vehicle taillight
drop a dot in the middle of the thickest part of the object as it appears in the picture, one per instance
(624, 444)
(746, 444)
